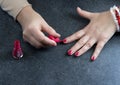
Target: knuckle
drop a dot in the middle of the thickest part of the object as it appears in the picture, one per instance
(82, 31)
(89, 45)
(29, 28)
(24, 38)
(41, 39)
(85, 48)
(51, 29)
(81, 42)
(24, 35)
(24, 32)
(38, 45)
(104, 38)
(100, 46)
(94, 27)
(97, 52)
(77, 35)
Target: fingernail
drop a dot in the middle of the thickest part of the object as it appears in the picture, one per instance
(57, 40)
(51, 37)
(64, 41)
(77, 54)
(92, 58)
(17, 51)
(69, 52)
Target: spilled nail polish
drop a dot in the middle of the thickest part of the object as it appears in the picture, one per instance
(77, 54)
(69, 52)
(17, 51)
(92, 58)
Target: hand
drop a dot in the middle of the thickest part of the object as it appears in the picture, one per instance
(34, 27)
(100, 29)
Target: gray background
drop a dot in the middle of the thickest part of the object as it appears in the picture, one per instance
(52, 66)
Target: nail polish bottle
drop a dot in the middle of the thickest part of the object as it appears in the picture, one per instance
(17, 51)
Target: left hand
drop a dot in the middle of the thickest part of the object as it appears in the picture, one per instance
(100, 29)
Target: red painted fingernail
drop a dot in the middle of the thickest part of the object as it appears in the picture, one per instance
(69, 52)
(77, 54)
(92, 58)
(64, 41)
(17, 51)
(56, 39)
(51, 37)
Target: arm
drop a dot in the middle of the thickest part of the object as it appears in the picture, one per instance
(13, 7)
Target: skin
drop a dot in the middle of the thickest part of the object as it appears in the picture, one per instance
(34, 27)
(99, 31)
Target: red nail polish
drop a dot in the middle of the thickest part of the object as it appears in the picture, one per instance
(77, 54)
(56, 39)
(51, 37)
(64, 41)
(92, 58)
(69, 52)
(17, 51)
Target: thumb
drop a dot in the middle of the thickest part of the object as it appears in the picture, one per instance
(84, 13)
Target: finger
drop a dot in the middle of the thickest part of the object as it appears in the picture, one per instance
(97, 51)
(34, 42)
(78, 45)
(86, 47)
(74, 36)
(84, 13)
(50, 31)
(41, 38)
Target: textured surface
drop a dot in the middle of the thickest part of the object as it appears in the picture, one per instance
(52, 66)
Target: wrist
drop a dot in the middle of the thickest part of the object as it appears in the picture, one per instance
(25, 15)
(115, 12)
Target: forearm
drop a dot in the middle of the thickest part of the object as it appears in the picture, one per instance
(13, 7)
(25, 15)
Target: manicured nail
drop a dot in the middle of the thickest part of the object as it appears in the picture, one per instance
(51, 37)
(77, 54)
(17, 51)
(64, 41)
(69, 52)
(56, 39)
(92, 58)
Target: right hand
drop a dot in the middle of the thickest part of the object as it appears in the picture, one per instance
(34, 27)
